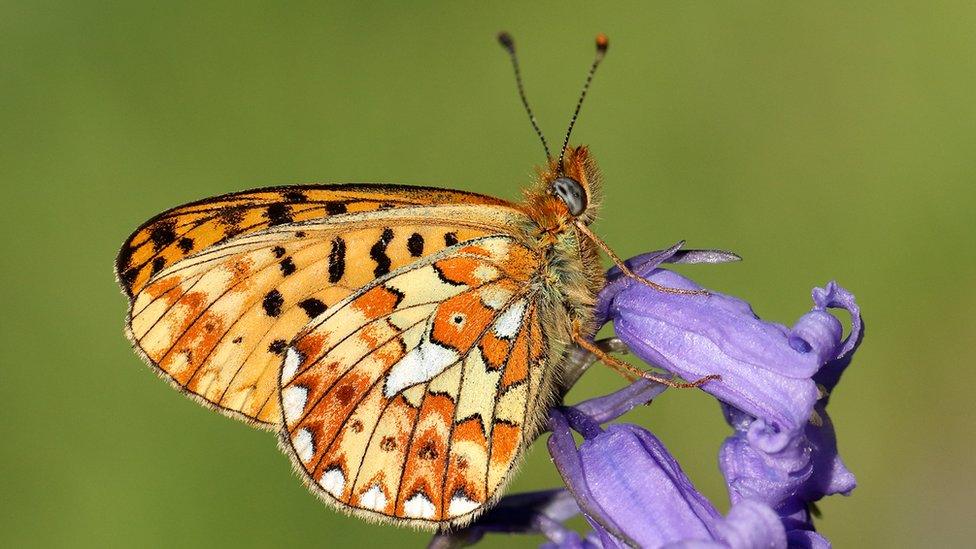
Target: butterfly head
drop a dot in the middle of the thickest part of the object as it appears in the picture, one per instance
(568, 184)
(575, 186)
(564, 196)
(572, 194)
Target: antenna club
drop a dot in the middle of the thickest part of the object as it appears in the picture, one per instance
(506, 41)
(602, 43)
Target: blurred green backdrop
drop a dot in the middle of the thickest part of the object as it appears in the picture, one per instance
(819, 141)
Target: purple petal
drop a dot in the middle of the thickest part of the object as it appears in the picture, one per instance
(610, 407)
(533, 512)
(787, 478)
(646, 262)
(773, 478)
(830, 475)
(696, 336)
(806, 539)
(616, 282)
(634, 480)
(817, 333)
(835, 296)
(696, 544)
(562, 448)
(751, 524)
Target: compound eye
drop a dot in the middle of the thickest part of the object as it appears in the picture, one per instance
(571, 193)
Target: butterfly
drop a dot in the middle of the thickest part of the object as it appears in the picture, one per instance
(404, 342)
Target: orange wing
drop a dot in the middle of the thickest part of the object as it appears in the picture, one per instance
(216, 323)
(186, 230)
(412, 399)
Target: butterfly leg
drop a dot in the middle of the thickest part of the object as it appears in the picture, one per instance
(632, 373)
(579, 359)
(629, 273)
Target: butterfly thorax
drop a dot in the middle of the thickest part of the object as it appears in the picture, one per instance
(572, 274)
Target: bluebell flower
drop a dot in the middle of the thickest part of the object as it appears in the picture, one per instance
(634, 494)
(699, 335)
(774, 388)
(791, 469)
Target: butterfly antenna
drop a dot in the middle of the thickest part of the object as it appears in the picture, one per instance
(626, 270)
(508, 43)
(602, 43)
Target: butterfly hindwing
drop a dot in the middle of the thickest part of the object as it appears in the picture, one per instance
(217, 323)
(411, 399)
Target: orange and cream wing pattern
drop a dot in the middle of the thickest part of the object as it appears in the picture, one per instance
(217, 323)
(413, 398)
(186, 230)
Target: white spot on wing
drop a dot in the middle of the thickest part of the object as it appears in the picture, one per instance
(510, 321)
(461, 505)
(494, 296)
(484, 272)
(292, 360)
(293, 400)
(419, 506)
(421, 364)
(304, 447)
(333, 481)
(374, 498)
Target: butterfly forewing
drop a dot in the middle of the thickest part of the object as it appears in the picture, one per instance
(186, 230)
(217, 322)
(411, 398)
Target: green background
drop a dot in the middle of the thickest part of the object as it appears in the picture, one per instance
(826, 141)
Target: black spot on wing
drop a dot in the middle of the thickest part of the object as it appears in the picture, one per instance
(278, 346)
(278, 214)
(125, 255)
(337, 260)
(185, 244)
(162, 235)
(415, 245)
(158, 264)
(278, 252)
(130, 275)
(428, 452)
(287, 266)
(295, 196)
(450, 239)
(335, 208)
(231, 215)
(272, 303)
(378, 253)
(312, 307)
